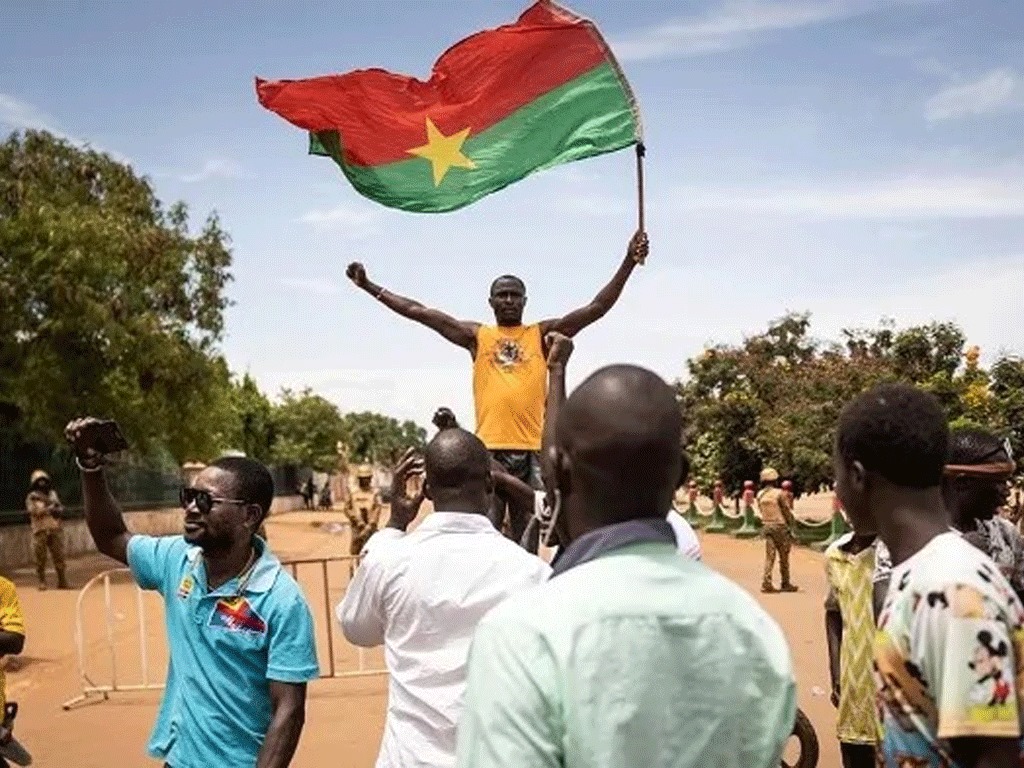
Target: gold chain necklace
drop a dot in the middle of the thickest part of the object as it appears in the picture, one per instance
(243, 575)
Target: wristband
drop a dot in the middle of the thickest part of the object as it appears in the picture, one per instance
(87, 470)
(379, 293)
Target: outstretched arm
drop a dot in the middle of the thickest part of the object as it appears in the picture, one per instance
(102, 514)
(578, 319)
(458, 332)
(560, 349)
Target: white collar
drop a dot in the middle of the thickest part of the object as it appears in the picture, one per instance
(456, 522)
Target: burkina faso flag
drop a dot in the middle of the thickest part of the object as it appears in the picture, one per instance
(499, 105)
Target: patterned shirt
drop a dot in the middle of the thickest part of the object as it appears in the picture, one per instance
(998, 538)
(1001, 541)
(850, 583)
(949, 637)
(11, 620)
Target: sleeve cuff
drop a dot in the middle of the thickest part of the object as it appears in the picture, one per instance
(300, 675)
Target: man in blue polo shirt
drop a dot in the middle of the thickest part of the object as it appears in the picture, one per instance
(239, 630)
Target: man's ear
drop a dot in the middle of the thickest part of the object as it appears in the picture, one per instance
(489, 482)
(426, 490)
(858, 477)
(561, 465)
(254, 516)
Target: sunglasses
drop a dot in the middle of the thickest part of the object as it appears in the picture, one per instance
(204, 500)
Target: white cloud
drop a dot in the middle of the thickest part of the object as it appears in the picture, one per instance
(909, 197)
(356, 223)
(736, 24)
(17, 115)
(217, 168)
(996, 91)
(20, 115)
(319, 287)
(933, 67)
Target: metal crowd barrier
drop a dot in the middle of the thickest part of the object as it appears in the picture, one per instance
(115, 681)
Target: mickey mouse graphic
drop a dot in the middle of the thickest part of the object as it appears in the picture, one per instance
(988, 667)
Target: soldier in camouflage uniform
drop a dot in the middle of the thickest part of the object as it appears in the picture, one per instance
(44, 509)
(363, 510)
(777, 517)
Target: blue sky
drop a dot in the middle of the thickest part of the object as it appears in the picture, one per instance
(854, 158)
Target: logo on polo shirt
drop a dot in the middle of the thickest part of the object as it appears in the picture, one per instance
(236, 615)
(185, 588)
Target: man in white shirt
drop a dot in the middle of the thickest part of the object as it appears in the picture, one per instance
(421, 594)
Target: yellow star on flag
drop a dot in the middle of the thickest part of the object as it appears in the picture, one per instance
(443, 152)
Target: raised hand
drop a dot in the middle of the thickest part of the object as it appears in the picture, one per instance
(560, 348)
(445, 419)
(404, 508)
(357, 274)
(84, 437)
(639, 247)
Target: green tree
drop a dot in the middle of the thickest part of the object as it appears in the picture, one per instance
(251, 428)
(111, 304)
(1007, 388)
(307, 430)
(776, 398)
(372, 437)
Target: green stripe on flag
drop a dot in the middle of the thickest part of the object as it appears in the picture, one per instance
(590, 115)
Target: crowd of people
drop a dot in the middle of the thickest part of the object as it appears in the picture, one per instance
(593, 633)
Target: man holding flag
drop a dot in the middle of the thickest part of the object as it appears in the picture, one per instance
(509, 362)
(498, 106)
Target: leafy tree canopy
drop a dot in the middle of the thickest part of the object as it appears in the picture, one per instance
(775, 399)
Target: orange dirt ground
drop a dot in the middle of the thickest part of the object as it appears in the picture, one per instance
(345, 716)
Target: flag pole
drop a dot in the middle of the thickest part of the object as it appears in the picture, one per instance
(640, 152)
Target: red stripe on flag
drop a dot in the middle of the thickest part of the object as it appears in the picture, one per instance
(476, 83)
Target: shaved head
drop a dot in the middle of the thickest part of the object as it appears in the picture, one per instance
(458, 471)
(508, 282)
(618, 437)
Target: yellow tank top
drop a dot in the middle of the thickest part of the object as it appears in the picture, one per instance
(509, 387)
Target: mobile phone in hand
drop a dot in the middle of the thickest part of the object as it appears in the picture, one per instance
(108, 437)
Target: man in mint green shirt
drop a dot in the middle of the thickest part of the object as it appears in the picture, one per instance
(631, 655)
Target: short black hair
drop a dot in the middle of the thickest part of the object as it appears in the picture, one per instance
(253, 482)
(513, 278)
(454, 458)
(898, 431)
(970, 446)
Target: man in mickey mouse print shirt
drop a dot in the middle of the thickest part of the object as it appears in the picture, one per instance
(950, 644)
